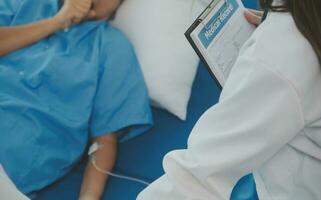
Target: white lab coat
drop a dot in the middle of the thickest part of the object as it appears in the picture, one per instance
(267, 121)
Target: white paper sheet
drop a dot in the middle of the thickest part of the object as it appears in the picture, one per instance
(220, 36)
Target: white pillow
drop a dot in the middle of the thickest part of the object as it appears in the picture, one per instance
(156, 28)
(8, 190)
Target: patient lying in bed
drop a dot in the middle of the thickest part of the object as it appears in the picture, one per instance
(62, 84)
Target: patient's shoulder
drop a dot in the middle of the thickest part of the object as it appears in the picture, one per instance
(116, 49)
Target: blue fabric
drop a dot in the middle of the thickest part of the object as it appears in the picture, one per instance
(63, 90)
(8, 9)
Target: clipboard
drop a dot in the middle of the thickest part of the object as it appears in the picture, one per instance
(209, 19)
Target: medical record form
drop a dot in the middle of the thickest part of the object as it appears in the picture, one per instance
(218, 34)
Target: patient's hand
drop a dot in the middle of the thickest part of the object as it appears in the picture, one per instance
(88, 197)
(254, 16)
(74, 11)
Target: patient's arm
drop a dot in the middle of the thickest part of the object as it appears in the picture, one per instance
(16, 37)
(13, 38)
(94, 181)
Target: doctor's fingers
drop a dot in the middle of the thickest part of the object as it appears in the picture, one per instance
(254, 16)
(256, 12)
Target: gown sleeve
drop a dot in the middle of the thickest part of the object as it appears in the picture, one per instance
(259, 112)
(121, 101)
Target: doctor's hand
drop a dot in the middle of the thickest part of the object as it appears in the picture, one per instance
(254, 16)
(74, 11)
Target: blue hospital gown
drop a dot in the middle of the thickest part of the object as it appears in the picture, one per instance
(61, 91)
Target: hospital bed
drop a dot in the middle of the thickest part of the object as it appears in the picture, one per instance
(142, 156)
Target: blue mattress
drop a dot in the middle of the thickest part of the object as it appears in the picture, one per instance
(142, 156)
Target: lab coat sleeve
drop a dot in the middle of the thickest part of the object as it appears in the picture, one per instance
(259, 112)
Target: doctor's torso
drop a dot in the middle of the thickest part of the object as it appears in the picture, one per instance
(294, 172)
(267, 122)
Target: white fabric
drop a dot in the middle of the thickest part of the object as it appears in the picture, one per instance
(8, 190)
(156, 28)
(267, 121)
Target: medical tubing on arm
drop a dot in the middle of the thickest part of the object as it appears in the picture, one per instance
(94, 147)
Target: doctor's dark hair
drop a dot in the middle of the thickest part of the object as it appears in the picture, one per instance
(307, 16)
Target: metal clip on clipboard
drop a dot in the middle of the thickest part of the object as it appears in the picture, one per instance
(209, 9)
